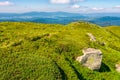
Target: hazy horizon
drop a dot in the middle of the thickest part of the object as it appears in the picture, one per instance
(61, 11)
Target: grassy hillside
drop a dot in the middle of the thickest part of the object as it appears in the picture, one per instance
(32, 51)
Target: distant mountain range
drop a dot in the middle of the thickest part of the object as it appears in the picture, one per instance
(103, 19)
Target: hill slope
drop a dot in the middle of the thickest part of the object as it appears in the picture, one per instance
(32, 51)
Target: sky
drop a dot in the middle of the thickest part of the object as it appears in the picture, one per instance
(73, 6)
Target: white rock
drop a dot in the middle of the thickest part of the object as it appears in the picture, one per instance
(92, 38)
(92, 58)
(117, 67)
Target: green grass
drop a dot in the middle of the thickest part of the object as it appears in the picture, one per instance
(32, 51)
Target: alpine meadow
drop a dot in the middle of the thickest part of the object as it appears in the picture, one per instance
(35, 51)
(59, 39)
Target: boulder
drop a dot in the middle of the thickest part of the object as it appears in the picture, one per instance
(92, 58)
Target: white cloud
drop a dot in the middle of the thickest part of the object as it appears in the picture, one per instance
(65, 1)
(98, 9)
(6, 3)
(118, 6)
(60, 1)
(75, 6)
(78, 0)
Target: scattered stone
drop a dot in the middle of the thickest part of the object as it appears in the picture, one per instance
(102, 43)
(117, 66)
(92, 58)
(50, 35)
(92, 38)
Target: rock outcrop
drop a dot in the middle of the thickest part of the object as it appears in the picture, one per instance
(92, 58)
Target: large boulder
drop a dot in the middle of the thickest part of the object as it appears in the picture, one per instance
(92, 58)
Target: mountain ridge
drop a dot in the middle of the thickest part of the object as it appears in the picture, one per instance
(103, 19)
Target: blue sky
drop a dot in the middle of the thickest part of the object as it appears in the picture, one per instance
(76, 6)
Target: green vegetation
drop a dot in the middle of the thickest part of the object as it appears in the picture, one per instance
(32, 51)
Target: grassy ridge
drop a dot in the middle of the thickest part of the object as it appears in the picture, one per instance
(32, 51)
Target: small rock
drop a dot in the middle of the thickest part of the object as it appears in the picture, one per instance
(92, 58)
(117, 67)
(92, 38)
(103, 43)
